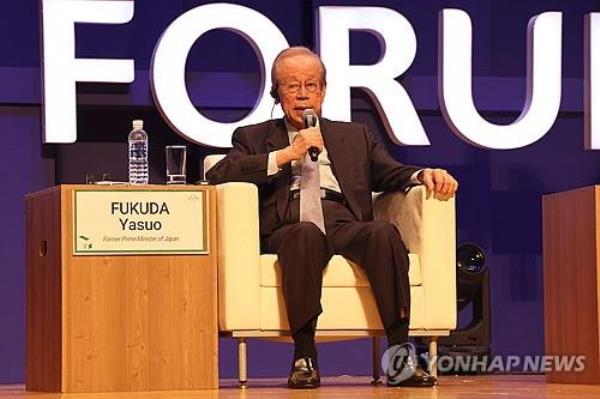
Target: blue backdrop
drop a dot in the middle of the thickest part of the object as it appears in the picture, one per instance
(499, 203)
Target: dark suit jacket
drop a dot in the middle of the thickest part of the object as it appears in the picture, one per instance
(359, 163)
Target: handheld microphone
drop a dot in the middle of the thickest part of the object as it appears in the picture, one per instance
(309, 117)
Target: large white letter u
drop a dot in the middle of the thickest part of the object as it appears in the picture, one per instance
(544, 53)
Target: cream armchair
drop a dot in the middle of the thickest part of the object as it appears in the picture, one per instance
(249, 284)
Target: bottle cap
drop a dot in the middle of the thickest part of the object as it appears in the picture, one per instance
(138, 124)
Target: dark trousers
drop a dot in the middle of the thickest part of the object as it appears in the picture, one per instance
(303, 251)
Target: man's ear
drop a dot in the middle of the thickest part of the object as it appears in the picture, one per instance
(274, 94)
(323, 90)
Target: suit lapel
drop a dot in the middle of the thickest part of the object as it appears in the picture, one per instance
(278, 139)
(341, 160)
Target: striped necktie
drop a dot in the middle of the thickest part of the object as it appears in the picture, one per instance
(310, 194)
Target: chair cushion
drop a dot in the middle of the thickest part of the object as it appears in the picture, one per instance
(340, 272)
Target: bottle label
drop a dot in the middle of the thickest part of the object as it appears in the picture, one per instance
(138, 150)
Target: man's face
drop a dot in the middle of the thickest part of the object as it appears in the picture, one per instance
(299, 87)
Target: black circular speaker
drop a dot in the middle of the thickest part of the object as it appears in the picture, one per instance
(470, 258)
(470, 267)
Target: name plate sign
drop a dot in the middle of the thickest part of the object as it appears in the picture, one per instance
(119, 222)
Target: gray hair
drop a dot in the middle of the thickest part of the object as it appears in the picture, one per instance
(289, 52)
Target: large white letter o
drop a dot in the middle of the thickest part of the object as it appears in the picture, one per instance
(170, 56)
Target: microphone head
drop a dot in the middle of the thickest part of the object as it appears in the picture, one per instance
(309, 117)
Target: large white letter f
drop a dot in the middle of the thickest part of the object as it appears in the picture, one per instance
(61, 70)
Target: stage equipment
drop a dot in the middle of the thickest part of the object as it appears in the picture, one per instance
(472, 343)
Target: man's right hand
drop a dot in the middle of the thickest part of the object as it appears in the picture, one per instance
(305, 139)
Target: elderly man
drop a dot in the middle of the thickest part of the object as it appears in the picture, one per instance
(310, 210)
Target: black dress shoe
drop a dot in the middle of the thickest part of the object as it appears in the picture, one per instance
(409, 374)
(304, 374)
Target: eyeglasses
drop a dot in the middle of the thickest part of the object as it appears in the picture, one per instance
(294, 87)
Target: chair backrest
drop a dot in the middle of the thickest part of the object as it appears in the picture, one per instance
(210, 161)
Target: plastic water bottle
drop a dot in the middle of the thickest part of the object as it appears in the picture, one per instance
(138, 154)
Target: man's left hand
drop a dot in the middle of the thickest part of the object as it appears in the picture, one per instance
(439, 182)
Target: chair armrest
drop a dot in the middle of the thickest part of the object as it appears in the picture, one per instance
(428, 229)
(239, 256)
